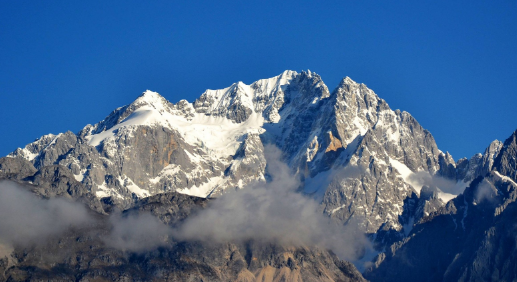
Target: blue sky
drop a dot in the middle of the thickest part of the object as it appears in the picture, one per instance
(451, 64)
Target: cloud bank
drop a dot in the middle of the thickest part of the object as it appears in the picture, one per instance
(272, 212)
(26, 219)
(137, 232)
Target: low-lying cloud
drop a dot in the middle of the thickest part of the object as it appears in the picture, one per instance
(137, 232)
(444, 184)
(26, 219)
(272, 212)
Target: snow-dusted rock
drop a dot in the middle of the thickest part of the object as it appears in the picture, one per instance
(361, 159)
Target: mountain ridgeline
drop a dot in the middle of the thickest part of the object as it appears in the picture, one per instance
(363, 164)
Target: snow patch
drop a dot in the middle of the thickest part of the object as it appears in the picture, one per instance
(406, 174)
(104, 191)
(169, 170)
(131, 186)
(204, 189)
(28, 155)
(338, 208)
(312, 149)
(445, 197)
(505, 178)
(408, 226)
(80, 176)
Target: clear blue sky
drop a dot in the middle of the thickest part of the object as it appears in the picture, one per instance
(451, 64)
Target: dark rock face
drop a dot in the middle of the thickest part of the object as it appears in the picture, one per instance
(506, 162)
(89, 260)
(472, 238)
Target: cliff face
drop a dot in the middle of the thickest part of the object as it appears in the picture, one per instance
(472, 238)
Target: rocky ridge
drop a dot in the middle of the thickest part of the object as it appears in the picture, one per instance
(471, 238)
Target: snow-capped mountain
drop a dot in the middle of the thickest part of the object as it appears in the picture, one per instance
(362, 160)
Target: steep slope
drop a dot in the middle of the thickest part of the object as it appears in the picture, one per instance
(472, 238)
(363, 161)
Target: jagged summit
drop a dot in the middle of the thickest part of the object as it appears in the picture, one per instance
(362, 161)
(506, 160)
(239, 101)
(217, 143)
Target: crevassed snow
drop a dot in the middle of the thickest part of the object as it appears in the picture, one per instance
(218, 134)
(223, 98)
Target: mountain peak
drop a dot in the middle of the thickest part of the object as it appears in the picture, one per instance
(149, 97)
(347, 81)
(150, 94)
